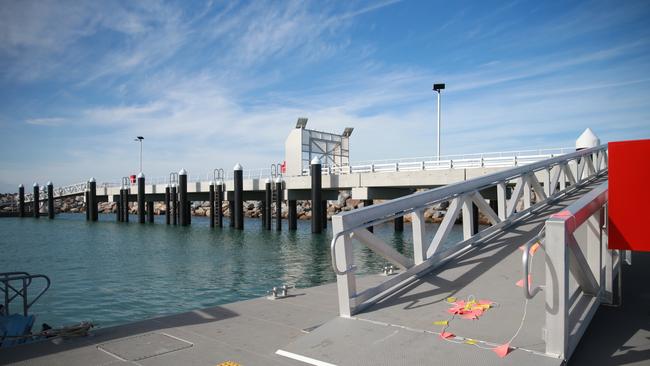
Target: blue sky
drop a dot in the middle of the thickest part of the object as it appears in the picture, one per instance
(213, 83)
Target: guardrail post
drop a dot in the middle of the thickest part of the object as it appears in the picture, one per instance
(557, 289)
(21, 201)
(141, 202)
(238, 176)
(345, 283)
(50, 200)
(316, 196)
(268, 195)
(35, 201)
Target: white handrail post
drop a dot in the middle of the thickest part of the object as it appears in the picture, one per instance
(346, 283)
(501, 200)
(557, 288)
(419, 246)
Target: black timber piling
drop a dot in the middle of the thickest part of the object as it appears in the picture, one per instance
(36, 203)
(316, 196)
(150, 212)
(239, 196)
(50, 200)
(267, 204)
(231, 209)
(167, 201)
(141, 201)
(92, 197)
(174, 205)
(399, 224)
(367, 203)
(292, 215)
(87, 204)
(324, 209)
(21, 201)
(219, 211)
(182, 198)
(211, 198)
(278, 204)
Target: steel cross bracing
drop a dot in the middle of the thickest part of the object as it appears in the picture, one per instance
(559, 179)
(70, 190)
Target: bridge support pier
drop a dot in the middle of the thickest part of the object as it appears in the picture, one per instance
(316, 196)
(278, 204)
(21, 201)
(173, 206)
(218, 209)
(150, 212)
(399, 224)
(293, 214)
(141, 202)
(184, 203)
(167, 200)
(267, 204)
(50, 200)
(211, 198)
(36, 203)
(367, 203)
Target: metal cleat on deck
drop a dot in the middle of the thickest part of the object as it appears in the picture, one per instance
(278, 292)
(389, 270)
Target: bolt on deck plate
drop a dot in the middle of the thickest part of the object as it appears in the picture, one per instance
(144, 346)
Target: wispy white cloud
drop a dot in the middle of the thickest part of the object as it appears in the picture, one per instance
(52, 121)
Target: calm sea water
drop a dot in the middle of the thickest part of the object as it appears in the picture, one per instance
(113, 273)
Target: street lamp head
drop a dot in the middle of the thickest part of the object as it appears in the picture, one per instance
(138, 138)
(438, 87)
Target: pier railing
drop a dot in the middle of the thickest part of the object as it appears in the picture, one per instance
(558, 176)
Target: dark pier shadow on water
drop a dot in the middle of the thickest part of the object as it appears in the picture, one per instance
(621, 335)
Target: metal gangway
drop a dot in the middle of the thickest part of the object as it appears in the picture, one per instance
(549, 236)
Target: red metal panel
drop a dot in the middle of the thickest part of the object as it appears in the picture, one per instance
(629, 195)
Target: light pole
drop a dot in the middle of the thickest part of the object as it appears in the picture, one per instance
(438, 88)
(140, 138)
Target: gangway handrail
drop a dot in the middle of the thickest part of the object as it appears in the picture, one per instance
(26, 280)
(572, 170)
(576, 244)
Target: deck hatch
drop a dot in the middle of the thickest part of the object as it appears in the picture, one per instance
(144, 346)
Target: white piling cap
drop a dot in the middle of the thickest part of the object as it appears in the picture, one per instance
(587, 140)
(49, 183)
(238, 167)
(35, 184)
(315, 160)
(92, 180)
(141, 175)
(267, 180)
(278, 180)
(21, 186)
(182, 172)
